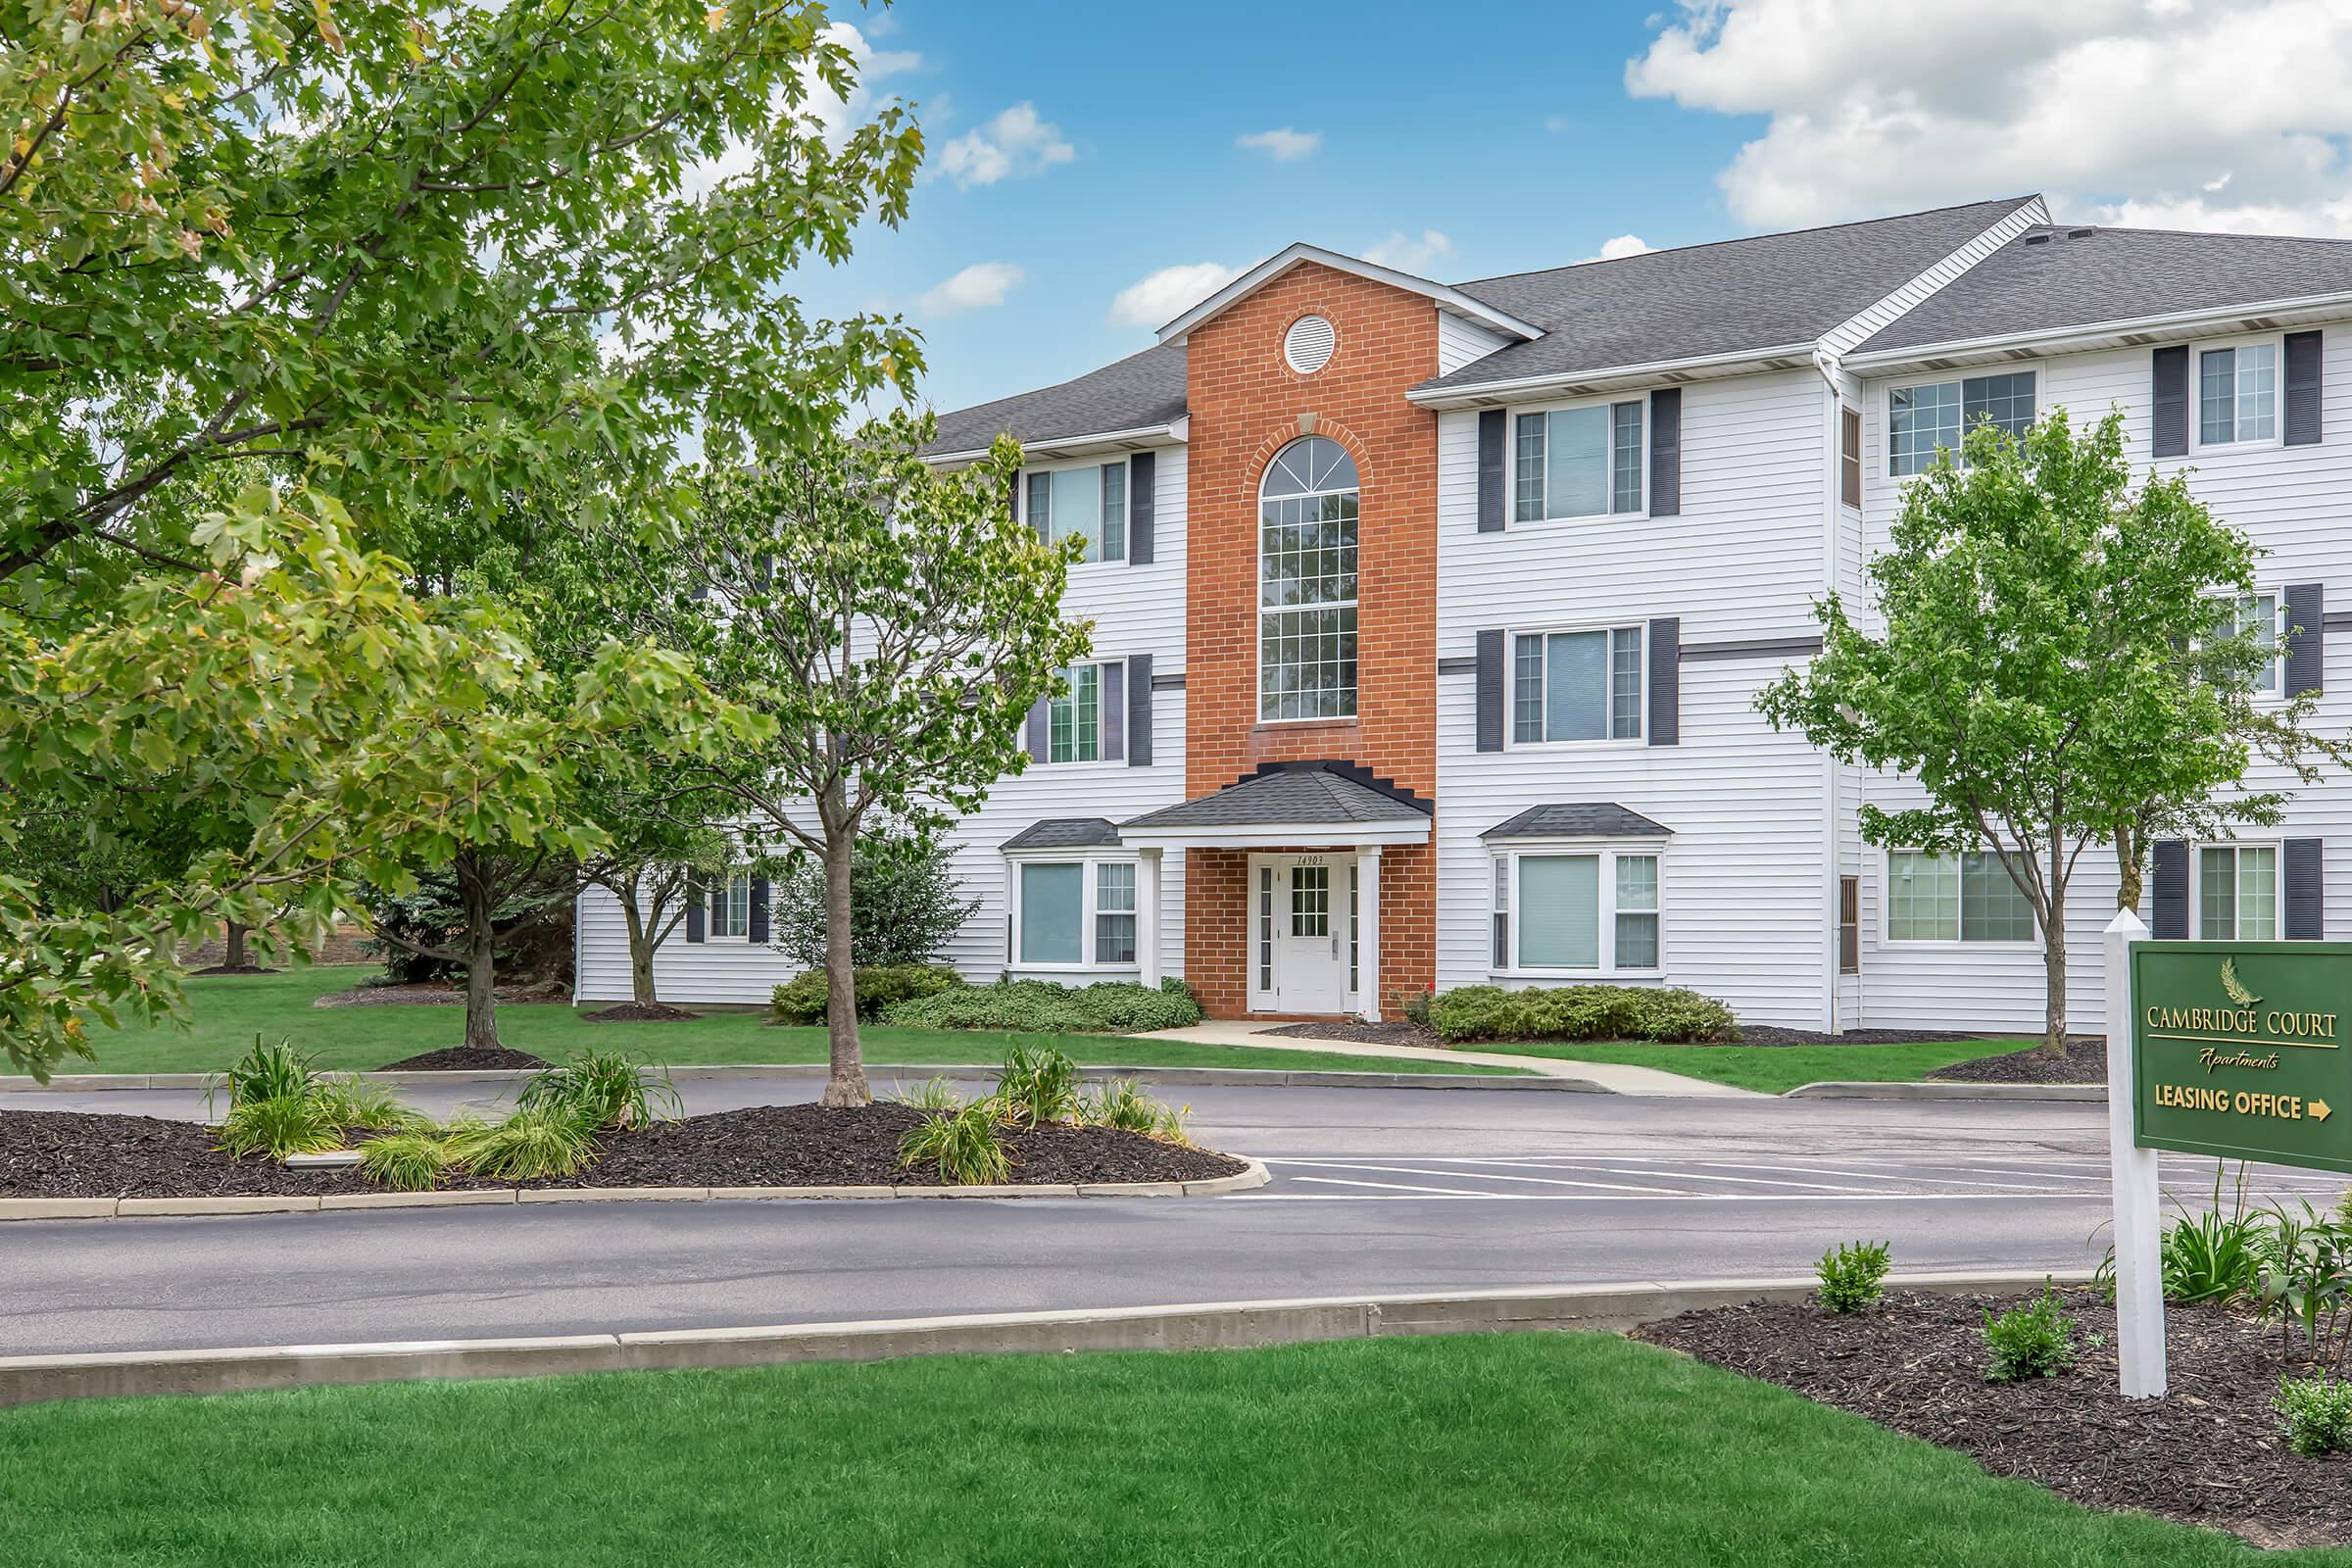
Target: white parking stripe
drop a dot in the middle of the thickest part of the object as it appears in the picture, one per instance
(1438, 1195)
(1751, 1181)
(1892, 1175)
(1399, 1187)
(1453, 1175)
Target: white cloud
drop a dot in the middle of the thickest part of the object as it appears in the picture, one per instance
(1623, 245)
(1015, 144)
(1283, 144)
(1164, 295)
(1409, 253)
(976, 287)
(2228, 113)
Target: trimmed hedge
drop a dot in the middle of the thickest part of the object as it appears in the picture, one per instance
(1109, 1006)
(1581, 1012)
(802, 999)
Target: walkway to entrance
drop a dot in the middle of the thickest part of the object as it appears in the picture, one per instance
(1612, 1076)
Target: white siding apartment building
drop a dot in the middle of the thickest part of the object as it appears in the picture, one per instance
(1429, 620)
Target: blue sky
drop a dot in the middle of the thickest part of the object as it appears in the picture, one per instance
(1076, 151)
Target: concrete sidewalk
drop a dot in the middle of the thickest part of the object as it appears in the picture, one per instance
(1615, 1077)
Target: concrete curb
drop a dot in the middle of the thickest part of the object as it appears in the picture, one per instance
(1183, 1077)
(28, 1208)
(1218, 1325)
(1864, 1090)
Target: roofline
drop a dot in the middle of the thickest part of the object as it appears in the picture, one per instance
(1280, 835)
(1273, 267)
(1172, 432)
(1468, 395)
(2231, 317)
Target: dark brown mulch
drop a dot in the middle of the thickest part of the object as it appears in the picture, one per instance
(639, 1013)
(2084, 1062)
(234, 968)
(2208, 1454)
(468, 1058)
(433, 996)
(62, 1154)
(1393, 1033)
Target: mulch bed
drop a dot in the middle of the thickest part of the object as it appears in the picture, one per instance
(61, 1153)
(433, 995)
(2084, 1062)
(1397, 1033)
(2208, 1454)
(639, 1013)
(468, 1058)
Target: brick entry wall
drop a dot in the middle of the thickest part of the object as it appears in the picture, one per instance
(1247, 404)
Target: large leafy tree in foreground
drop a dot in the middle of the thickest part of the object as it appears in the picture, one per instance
(890, 624)
(2055, 662)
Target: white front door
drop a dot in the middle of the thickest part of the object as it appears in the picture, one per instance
(1299, 917)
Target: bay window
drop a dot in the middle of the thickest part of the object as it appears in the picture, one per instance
(1088, 503)
(1573, 910)
(1576, 686)
(1954, 898)
(1582, 461)
(1072, 912)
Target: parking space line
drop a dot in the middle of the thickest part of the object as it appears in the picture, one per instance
(1410, 1170)
(1899, 1174)
(1395, 1187)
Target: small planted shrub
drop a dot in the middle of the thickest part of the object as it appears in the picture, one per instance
(413, 1162)
(2028, 1342)
(353, 1102)
(1854, 1274)
(603, 1091)
(1581, 1012)
(803, 999)
(1040, 1006)
(537, 1141)
(1039, 1084)
(277, 1126)
(265, 1072)
(2316, 1413)
(964, 1148)
(2306, 1284)
(1121, 1104)
(931, 1094)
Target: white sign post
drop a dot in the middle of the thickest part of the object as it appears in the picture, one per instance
(2138, 1216)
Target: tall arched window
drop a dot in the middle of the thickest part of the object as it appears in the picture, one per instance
(1306, 583)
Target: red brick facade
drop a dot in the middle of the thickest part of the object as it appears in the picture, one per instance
(1246, 404)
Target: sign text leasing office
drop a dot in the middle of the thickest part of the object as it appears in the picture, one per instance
(2240, 1049)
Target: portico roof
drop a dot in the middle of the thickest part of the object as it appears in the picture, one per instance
(1306, 805)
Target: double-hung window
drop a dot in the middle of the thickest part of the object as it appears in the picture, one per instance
(1582, 461)
(1939, 415)
(2237, 893)
(1073, 913)
(1571, 911)
(2237, 395)
(2256, 617)
(1575, 685)
(1949, 898)
(1087, 503)
(1074, 720)
(730, 909)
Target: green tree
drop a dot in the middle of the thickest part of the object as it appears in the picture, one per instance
(2056, 665)
(891, 625)
(905, 901)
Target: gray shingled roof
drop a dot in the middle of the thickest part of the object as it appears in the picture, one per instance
(1137, 392)
(1298, 795)
(1064, 833)
(1592, 820)
(1722, 298)
(2076, 276)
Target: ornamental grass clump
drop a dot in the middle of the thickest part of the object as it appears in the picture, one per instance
(353, 1102)
(964, 1147)
(278, 1126)
(2028, 1342)
(265, 1072)
(413, 1161)
(535, 1142)
(934, 1094)
(1039, 1084)
(2316, 1414)
(604, 1091)
(1854, 1274)
(1121, 1104)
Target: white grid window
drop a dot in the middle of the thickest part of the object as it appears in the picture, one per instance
(1307, 583)
(1945, 897)
(2237, 893)
(1311, 900)
(1114, 914)
(2238, 394)
(1922, 419)
(1581, 911)
(2256, 617)
(1088, 503)
(1074, 720)
(1073, 913)
(1576, 686)
(1578, 462)
(730, 916)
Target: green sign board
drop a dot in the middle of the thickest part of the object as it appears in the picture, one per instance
(2243, 1049)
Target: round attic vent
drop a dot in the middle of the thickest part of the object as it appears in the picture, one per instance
(1306, 347)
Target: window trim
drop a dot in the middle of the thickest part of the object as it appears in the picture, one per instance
(2276, 341)
(1505, 893)
(1090, 885)
(1127, 525)
(2279, 628)
(1941, 379)
(1885, 922)
(2196, 887)
(1257, 592)
(1511, 459)
(715, 889)
(1104, 721)
(1510, 686)
(1852, 468)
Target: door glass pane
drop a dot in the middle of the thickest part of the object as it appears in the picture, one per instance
(2257, 894)
(1992, 907)
(1311, 900)
(1559, 911)
(1053, 896)
(1078, 508)
(1576, 687)
(1578, 464)
(1265, 928)
(2216, 894)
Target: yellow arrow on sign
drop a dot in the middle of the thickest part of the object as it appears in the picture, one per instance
(2320, 1111)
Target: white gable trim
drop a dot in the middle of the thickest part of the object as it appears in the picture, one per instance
(1869, 322)
(1452, 300)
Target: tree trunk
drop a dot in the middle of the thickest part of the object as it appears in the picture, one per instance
(232, 946)
(2126, 863)
(2053, 978)
(481, 962)
(641, 952)
(847, 1085)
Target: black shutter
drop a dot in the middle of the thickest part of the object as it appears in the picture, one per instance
(2302, 389)
(1490, 691)
(1490, 432)
(1666, 452)
(2168, 916)
(1143, 471)
(1113, 720)
(2306, 891)
(1666, 681)
(1038, 740)
(2306, 637)
(757, 928)
(693, 907)
(1139, 710)
(2169, 427)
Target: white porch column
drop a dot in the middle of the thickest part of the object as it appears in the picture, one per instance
(1146, 915)
(1367, 924)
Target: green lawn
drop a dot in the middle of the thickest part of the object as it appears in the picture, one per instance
(230, 1010)
(1503, 1451)
(1776, 1069)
